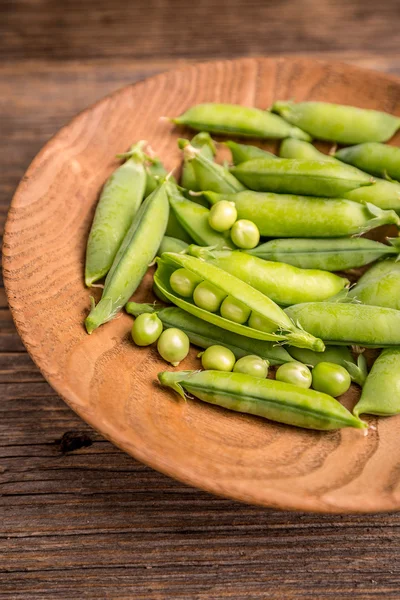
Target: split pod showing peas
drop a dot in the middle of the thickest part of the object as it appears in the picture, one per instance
(242, 121)
(274, 400)
(136, 252)
(204, 335)
(268, 320)
(339, 123)
(284, 215)
(281, 282)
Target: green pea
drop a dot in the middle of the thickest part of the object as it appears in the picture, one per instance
(274, 400)
(245, 234)
(381, 392)
(184, 282)
(260, 323)
(295, 373)
(238, 120)
(243, 152)
(217, 358)
(234, 310)
(146, 329)
(208, 296)
(173, 345)
(339, 123)
(330, 379)
(252, 365)
(378, 159)
(222, 215)
(285, 215)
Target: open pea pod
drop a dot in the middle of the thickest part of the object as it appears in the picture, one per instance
(243, 152)
(274, 400)
(339, 355)
(285, 215)
(203, 334)
(282, 327)
(381, 392)
(193, 218)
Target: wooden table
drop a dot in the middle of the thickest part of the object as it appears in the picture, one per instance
(77, 516)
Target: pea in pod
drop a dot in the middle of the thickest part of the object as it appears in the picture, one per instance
(380, 285)
(281, 282)
(136, 252)
(242, 121)
(209, 174)
(204, 335)
(283, 329)
(284, 215)
(377, 159)
(383, 193)
(381, 392)
(296, 176)
(339, 355)
(193, 218)
(334, 254)
(348, 324)
(274, 400)
(119, 202)
(206, 146)
(170, 244)
(244, 152)
(339, 123)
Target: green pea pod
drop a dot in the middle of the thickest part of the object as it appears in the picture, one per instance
(339, 123)
(282, 327)
(348, 324)
(194, 219)
(274, 400)
(242, 121)
(281, 282)
(296, 176)
(339, 355)
(378, 159)
(119, 202)
(383, 193)
(204, 334)
(284, 215)
(155, 171)
(244, 152)
(170, 244)
(380, 285)
(205, 144)
(381, 392)
(136, 252)
(210, 175)
(334, 254)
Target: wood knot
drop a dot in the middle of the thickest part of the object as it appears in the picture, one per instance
(73, 440)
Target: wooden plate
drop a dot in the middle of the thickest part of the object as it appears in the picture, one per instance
(110, 383)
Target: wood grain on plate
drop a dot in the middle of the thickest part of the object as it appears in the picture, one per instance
(109, 382)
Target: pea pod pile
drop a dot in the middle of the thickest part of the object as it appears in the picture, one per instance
(256, 259)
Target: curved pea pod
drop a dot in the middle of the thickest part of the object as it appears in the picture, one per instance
(296, 176)
(377, 159)
(282, 328)
(284, 215)
(339, 123)
(381, 392)
(170, 244)
(274, 400)
(348, 324)
(244, 152)
(193, 218)
(205, 144)
(281, 282)
(136, 252)
(339, 355)
(119, 202)
(380, 285)
(210, 175)
(383, 193)
(242, 121)
(334, 254)
(204, 334)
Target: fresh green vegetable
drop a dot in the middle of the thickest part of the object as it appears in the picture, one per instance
(217, 358)
(295, 373)
(173, 346)
(331, 379)
(381, 392)
(252, 365)
(146, 329)
(245, 234)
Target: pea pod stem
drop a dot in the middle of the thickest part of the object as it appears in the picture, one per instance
(274, 400)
